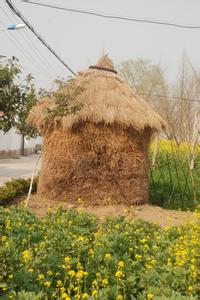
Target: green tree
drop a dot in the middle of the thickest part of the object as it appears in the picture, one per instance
(28, 99)
(9, 93)
(16, 99)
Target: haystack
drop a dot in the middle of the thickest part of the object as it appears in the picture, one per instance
(99, 151)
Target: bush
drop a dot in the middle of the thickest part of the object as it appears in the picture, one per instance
(73, 255)
(15, 188)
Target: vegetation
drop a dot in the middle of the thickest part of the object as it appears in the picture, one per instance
(15, 188)
(173, 183)
(16, 99)
(66, 99)
(73, 255)
(177, 102)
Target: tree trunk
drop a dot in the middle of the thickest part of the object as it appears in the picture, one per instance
(23, 145)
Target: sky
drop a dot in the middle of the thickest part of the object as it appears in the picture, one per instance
(81, 39)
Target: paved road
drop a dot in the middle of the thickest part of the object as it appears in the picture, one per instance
(17, 168)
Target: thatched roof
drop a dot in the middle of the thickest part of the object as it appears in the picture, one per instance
(105, 98)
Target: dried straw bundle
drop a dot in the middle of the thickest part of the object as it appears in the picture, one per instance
(100, 152)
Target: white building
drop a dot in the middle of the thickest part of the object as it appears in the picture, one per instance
(11, 143)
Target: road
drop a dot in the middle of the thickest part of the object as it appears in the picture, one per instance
(17, 168)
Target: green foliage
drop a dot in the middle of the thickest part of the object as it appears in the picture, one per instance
(16, 99)
(14, 188)
(172, 184)
(73, 255)
(66, 100)
(9, 93)
(27, 100)
(28, 296)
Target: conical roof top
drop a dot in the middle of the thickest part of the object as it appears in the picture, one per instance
(104, 97)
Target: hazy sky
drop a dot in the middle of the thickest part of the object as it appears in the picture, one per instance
(80, 40)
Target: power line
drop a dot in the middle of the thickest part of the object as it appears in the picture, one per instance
(18, 13)
(169, 97)
(22, 49)
(34, 48)
(108, 16)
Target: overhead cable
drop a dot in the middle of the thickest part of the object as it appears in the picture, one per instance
(18, 13)
(169, 97)
(109, 16)
(26, 52)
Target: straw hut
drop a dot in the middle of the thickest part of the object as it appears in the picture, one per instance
(99, 151)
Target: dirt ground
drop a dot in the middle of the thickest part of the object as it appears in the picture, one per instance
(153, 214)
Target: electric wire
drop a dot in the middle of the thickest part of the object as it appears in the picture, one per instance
(108, 16)
(41, 59)
(21, 48)
(30, 44)
(169, 97)
(28, 24)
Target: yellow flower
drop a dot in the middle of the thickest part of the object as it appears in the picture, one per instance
(138, 257)
(47, 283)
(85, 296)
(80, 274)
(40, 277)
(119, 297)
(98, 275)
(120, 264)
(4, 238)
(94, 293)
(67, 259)
(26, 255)
(190, 288)
(65, 296)
(49, 273)
(105, 281)
(119, 274)
(71, 273)
(62, 290)
(108, 256)
(30, 270)
(94, 282)
(91, 252)
(59, 283)
(149, 296)
(10, 276)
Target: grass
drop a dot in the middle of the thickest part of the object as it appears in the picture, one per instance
(172, 184)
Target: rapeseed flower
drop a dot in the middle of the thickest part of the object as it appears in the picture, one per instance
(108, 256)
(119, 274)
(47, 283)
(149, 296)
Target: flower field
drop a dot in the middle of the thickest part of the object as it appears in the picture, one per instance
(73, 255)
(172, 184)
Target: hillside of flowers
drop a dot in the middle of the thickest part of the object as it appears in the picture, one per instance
(73, 255)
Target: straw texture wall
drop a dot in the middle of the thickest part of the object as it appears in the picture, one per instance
(100, 164)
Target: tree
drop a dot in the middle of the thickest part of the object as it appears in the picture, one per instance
(9, 93)
(147, 79)
(16, 100)
(28, 99)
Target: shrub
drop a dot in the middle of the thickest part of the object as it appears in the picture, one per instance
(14, 188)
